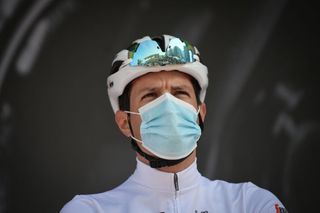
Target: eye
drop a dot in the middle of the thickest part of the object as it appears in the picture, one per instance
(149, 95)
(182, 93)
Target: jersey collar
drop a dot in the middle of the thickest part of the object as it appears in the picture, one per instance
(164, 181)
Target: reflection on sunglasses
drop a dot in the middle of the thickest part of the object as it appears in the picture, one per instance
(148, 53)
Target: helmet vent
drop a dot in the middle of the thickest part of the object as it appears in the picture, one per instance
(115, 66)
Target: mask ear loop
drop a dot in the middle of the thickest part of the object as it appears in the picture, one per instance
(154, 162)
(201, 124)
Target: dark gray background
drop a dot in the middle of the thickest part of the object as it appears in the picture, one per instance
(58, 137)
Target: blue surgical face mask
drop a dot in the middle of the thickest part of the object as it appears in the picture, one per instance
(169, 127)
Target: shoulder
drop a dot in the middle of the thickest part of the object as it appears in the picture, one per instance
(247, 196)
(80, 204)
(110, 200)
(226, 188)
(262, 200)
(91, 203)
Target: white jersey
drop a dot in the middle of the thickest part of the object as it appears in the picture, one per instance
(150, 190)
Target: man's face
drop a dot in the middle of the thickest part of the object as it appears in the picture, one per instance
(151, 86)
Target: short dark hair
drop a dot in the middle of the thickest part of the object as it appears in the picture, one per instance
(124, 99)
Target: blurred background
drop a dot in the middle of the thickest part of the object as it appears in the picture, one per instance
(57, 132)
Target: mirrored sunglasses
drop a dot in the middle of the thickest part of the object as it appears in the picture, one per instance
(148, 53)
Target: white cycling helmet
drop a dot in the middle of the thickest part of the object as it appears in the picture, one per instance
(163, 53)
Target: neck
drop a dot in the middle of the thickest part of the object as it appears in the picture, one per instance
(175, 168)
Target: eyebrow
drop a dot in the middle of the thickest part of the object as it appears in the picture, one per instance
(148, 89)
(181, 87)
(154, 89)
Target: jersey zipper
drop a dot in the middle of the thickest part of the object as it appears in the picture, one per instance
(176, 187)
(176, 182)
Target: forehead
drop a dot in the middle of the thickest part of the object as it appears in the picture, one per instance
(163, 78)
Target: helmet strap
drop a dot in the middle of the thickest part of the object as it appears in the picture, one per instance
(201, 123)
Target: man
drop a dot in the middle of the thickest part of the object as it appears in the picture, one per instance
(157, 89)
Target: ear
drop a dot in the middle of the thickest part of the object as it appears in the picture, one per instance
(203, 111)
(121, 119)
